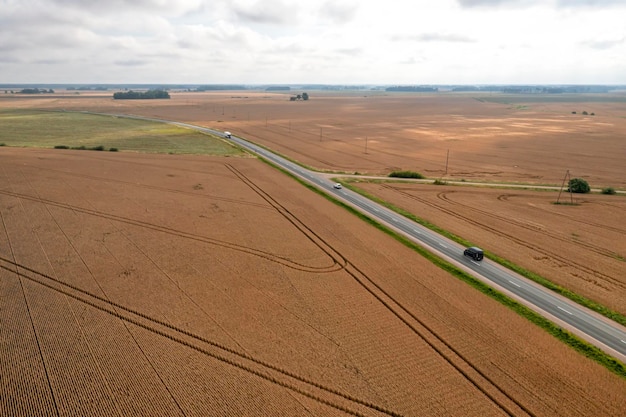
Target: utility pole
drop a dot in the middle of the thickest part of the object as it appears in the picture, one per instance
(366, 144)
(447, 157)
(320, 134)
(567, 176)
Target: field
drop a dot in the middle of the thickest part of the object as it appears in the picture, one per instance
(476, 136)
(159, 284)
(578, 246)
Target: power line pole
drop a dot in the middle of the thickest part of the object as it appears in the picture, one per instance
(566, 177)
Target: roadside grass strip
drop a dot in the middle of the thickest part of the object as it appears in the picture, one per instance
(578, 344)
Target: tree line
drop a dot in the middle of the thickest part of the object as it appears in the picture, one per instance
(36, 91)
(137, 95)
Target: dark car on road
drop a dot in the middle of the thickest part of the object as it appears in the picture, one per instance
(474, 253)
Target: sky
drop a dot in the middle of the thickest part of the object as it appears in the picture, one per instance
(345, 42)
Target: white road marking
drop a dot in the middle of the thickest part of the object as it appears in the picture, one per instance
(441, 244)
(623, 341)
(516, 284)
(475, 263)
(561, 308)
(394, 219)
(376, 210)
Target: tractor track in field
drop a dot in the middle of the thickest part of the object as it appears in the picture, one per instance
(452, 356)
(482, 214)
(506, 197)
(335, 266)
(297, 152)
(254, 366)
(267, 371)
(594, 248)
(325, 138)
(157, 188)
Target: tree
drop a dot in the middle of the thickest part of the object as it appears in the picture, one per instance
(578, 185)
(305, 96)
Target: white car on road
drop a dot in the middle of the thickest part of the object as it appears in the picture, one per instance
(337, 186)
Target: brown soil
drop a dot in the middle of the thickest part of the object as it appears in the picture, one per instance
(144, 285)
(578, 245)
(526, 139)
(167, 285)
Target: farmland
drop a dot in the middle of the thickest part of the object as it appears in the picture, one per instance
(171, 284)
(492, 138)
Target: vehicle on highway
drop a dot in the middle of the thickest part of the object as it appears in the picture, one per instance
(474, 253)
(337, 186)
(227, 135)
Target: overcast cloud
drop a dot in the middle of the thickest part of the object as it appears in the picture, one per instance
(315, 41)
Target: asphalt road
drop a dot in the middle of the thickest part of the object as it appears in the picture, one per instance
(602, 332)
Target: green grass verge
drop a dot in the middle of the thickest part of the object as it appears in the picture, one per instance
(592, 305)
(578, 344)
(47, 129)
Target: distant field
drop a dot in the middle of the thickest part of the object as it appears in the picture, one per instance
(44, 129)
(555, 98)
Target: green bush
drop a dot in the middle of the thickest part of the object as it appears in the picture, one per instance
(608, 190)
(61, 147)
(113, 150)
(578, 185)
(406, 174)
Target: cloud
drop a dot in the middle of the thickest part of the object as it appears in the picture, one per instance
(529, 3)
(349, 52)
(274, 12)
(117, 7)
(131, 62)
(338, 12)
(258, 41)
(604, 44)
(434, 37)
(589, 3)
(496, 3)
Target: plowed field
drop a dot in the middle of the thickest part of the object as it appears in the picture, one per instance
(163, 285)
(579, 246)
(532, 139)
